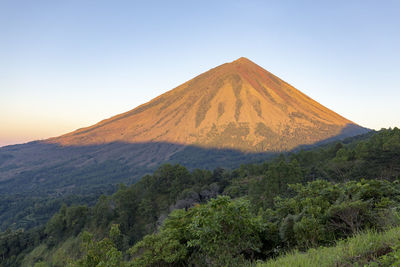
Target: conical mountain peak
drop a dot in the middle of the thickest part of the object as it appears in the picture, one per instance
(237, 105)
(239, 65)
(243, 60)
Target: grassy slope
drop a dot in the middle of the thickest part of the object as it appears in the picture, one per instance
(355, 251)
(58, 256)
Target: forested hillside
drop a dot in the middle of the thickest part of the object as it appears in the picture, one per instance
(177, 217)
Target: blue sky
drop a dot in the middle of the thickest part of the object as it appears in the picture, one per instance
(69, 64)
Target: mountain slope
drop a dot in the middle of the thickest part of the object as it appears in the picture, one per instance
(237, 105)
(232, 114)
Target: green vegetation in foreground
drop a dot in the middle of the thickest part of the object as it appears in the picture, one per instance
(177, 217)
(369, 248)
(227, 232)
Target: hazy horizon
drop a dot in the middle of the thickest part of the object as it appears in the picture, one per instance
(68, 65)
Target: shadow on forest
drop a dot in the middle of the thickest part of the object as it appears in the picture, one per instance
(43, 168)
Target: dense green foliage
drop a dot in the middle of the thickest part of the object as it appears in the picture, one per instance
(225, 232)
(21, 211)
(14, 243)
(175, 217)
(219, 233)
(101, 253)
(30, 200)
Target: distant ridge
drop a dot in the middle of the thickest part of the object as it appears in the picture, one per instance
(237, 105)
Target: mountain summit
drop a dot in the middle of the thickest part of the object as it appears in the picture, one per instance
(237, 105)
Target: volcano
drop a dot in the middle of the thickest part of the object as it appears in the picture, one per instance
(237, 105)
(232, 114)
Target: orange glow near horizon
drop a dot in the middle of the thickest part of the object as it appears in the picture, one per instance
(19, 129)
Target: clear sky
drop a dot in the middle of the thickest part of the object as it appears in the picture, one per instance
(69, 64)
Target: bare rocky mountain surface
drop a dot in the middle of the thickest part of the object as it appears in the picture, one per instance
(237, 105)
